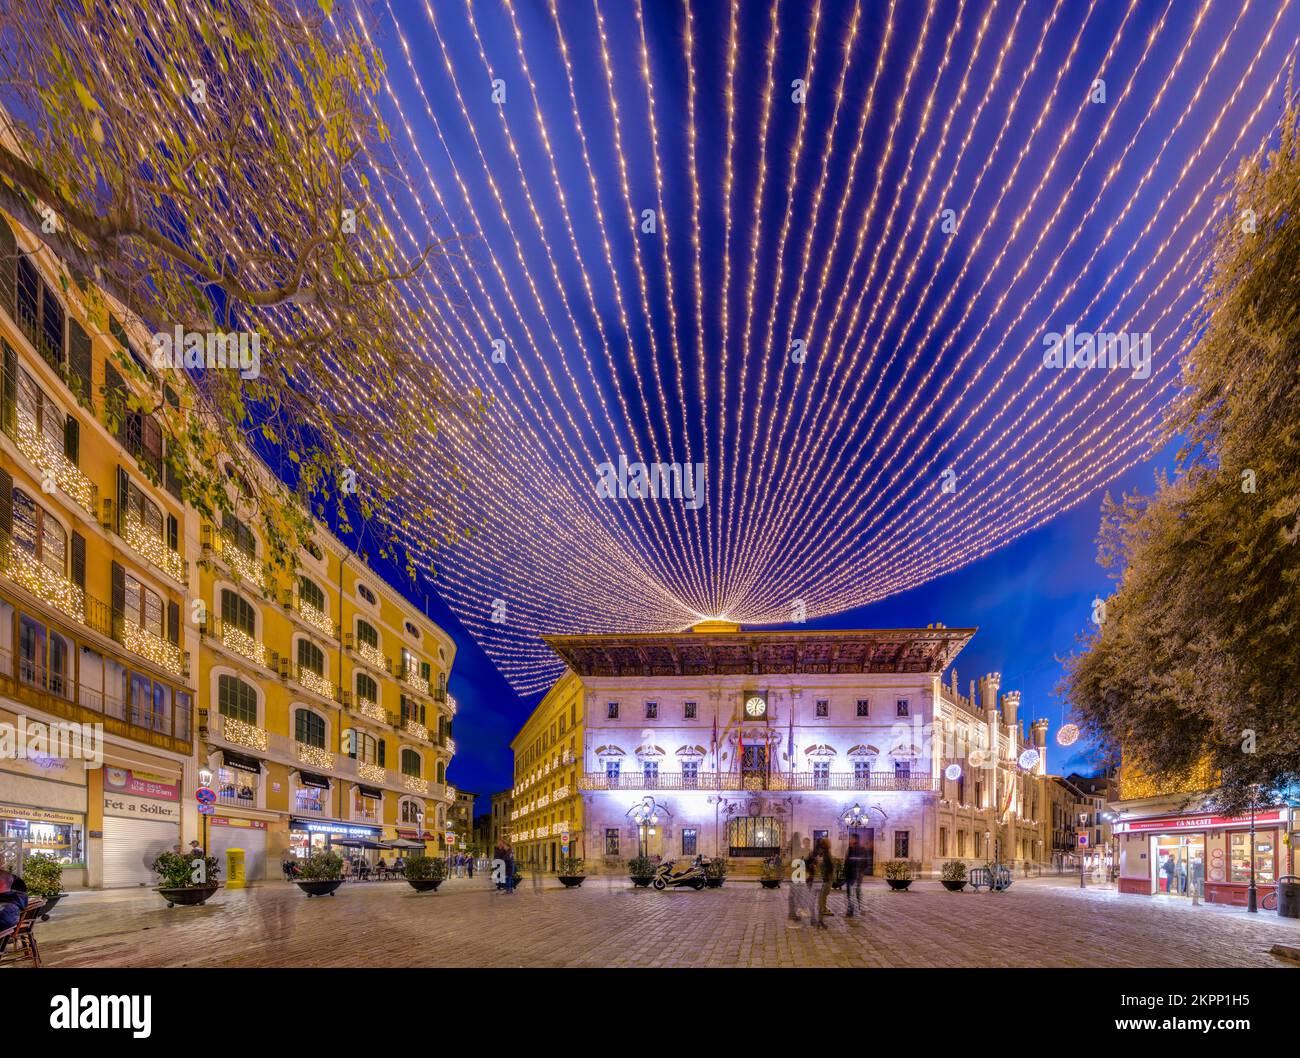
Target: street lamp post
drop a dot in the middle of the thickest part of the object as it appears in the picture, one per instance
(1252, 894)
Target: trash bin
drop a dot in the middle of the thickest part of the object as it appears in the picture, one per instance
(234, 868)
(1288, 896)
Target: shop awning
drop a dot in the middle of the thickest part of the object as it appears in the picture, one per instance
(241, 761)
(405, 843)
(307, 778)
(369, 791)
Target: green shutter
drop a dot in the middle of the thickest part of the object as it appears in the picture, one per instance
(123, 483)
(79, 560)
(79, 362)
(173, 623)
(6, 497)
(71, 438)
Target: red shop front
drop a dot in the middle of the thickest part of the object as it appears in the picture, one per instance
(1203, 855)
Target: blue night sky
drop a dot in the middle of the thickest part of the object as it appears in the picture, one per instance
(819, 219)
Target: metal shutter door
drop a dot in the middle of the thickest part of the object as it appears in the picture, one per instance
(130, 846)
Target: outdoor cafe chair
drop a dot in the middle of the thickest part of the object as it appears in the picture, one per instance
(21, 940)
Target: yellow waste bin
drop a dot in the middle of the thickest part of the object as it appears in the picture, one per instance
(234, 868)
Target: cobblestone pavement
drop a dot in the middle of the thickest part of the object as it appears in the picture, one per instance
(608, 923)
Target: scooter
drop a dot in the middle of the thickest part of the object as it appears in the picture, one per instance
(691, 875)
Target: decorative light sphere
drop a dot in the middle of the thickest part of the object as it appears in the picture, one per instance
(952, 772)
(1028, 759)
(976, 758)
(1068, 735)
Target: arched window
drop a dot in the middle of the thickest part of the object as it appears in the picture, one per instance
(310, 593)
(236, 699)
(367, 688)
(364, 747)
(442, 772)
(410, 811)
(366, 593)
(410, 763)
(309, 728)
(38, 533)
(366, 633)
(144, 606)
(238, 611)
(310, 656)
(240, 535)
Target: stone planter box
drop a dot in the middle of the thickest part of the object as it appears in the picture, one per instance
(714, 883)
(424, 885)
(320, 887)
(770, 883)
(572, 881)
(642, 881)
(954, 887)
(186, 896)
(899, 884)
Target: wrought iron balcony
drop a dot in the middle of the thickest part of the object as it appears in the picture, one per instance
(798, 781)
(151, 546)
(56, 467)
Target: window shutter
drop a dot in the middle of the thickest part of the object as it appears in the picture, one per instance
(8, 264)
(381, 753)
(424, 670)
(123, 483)
(114, 400)
(71, 438)
(119, 589)
(6, 494)
(9, 385)
(79, 560)
(79, 361)
(173, 622)
(173, 533)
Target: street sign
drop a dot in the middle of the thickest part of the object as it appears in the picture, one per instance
(451, 839)
(207, 810)
(564, 838)
(1083, 839)
(205, 795)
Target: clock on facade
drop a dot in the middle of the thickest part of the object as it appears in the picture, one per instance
(756, 707)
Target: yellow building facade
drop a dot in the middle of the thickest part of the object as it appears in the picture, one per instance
(95, 568)
(546, 805)
(315, 703)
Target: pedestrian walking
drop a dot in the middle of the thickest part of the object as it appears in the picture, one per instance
(469, 866)
(510, 869)
(797, 896)
(855, 866)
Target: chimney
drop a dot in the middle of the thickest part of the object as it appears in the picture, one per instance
(1011, 708)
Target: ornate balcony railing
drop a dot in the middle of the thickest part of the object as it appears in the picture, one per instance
(235, 638)
(415, 784)
(48, 585)
(372, 772)
(314, 756)
(315, 682)
(799, 781)
(152, 548)
(245, 734)
(318, 619)
(417, 729)
(370, 654)
(415, 681)
(373, 710)
(243, 565)
(149, 645)
(57, 467)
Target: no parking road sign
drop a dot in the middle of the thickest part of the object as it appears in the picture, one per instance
(205, 795)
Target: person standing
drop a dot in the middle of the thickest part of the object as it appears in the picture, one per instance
(798, 888)
(824, 865)
(510, 869)
(469, 866)
(1169, 867)
(855, 866)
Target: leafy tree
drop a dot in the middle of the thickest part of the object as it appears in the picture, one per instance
(210, 169)
(1197, 661)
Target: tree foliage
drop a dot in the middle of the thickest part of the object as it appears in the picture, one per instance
(1197, 661)
(209, 168)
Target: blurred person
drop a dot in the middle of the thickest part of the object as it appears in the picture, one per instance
(855, 866)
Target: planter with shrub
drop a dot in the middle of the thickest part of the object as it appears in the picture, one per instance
(320, 874)
(771, 876)
(184, 878)
(954, 876)
(898, 873)
(641, 870)
(571, 871)
(715, 872)
(425, 873)
(43, 876)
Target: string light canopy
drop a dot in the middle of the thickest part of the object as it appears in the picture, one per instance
(778, 309)
(765, 298)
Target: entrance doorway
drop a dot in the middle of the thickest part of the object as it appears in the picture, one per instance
(754, 836)
(1178, 864)
(867, 835)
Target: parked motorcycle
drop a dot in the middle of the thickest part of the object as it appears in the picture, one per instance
(668, 876)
